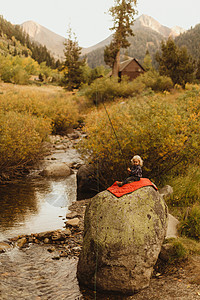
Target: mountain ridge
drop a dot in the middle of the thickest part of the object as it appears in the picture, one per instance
(54, 42)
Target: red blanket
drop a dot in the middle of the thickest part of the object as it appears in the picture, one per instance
(129, 187)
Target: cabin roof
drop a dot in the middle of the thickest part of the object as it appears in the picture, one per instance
(125, 63)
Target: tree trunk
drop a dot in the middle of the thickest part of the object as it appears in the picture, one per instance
(115, 69)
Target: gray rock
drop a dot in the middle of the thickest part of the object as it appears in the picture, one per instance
(73, 222)
(56, 170)
(87, 185)
(71, 215)
(122, 240)
(172, 231)
(166, 191)
(67, 232)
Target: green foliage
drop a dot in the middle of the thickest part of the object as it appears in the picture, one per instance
(178, 252)
(156, 82)
(157, 127)
(185, 186)
(18, 69)
(89, 75)
(147, 63)
(190, 225)
(110, 53)
(73, 75)
(123, 17)
(106, 89)
(176, 63)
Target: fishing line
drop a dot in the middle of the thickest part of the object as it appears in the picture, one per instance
(120, 148)
(97, 223)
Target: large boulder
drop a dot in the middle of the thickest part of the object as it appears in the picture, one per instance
(87, 184)
(122, 240)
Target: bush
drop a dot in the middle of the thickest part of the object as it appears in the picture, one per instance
(156, 82)
(60, 108)
(190, 225)
(157, 127)
(107, 89)
(21, 137)
(27, 116)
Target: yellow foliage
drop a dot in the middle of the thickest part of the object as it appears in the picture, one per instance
(163, 129)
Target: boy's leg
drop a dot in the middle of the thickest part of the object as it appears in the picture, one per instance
(130, 179)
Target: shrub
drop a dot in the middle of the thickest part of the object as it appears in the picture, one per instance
(157, 127)
(190, 225)
(60, 108)
(21, 139)
(107, 89)
(156, 82)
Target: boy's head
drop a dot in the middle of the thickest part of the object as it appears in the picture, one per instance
(137, 161)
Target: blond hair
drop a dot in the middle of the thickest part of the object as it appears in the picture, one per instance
(138, 158)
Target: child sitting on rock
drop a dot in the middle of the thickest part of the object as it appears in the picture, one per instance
(135, 171)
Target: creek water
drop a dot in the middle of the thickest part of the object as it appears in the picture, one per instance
(35, 203)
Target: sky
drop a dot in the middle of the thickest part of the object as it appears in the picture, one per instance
(90, 20)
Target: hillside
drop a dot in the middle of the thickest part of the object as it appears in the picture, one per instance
(14, 41)
(143, 40)
(191, 40)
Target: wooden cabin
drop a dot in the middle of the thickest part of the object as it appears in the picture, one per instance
(131, 68)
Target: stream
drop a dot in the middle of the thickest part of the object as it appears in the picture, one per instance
(36, 203)
(31, 205)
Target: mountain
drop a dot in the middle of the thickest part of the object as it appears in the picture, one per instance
(45, 37)
(148, 35)
(149, 22)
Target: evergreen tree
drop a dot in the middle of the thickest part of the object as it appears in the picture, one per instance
(175, 63)
(123, 16)
(73, 73)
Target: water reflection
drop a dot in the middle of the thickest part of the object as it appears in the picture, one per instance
(35, 205)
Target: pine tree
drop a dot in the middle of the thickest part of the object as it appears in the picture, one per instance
(123, 16)
(73, 64)
(175, 62)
